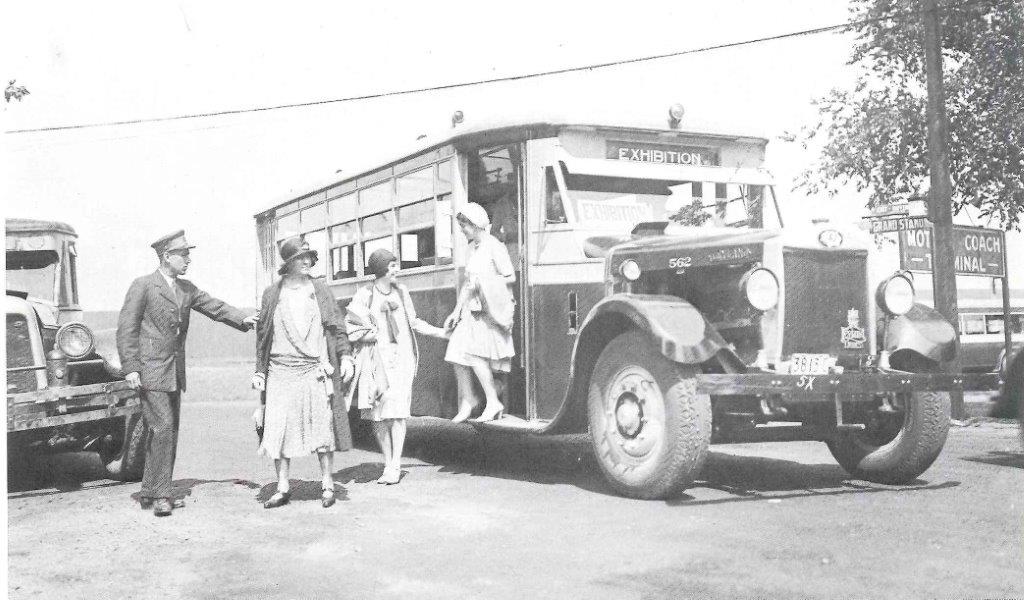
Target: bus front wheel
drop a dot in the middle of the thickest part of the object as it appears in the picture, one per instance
(649, 427)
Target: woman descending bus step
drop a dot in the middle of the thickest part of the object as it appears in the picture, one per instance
(481, 324)
(380, 322)
(302, 362)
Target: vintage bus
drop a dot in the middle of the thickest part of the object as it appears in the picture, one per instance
(660, 303)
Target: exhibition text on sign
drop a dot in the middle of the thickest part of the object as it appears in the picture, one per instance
(662, 154)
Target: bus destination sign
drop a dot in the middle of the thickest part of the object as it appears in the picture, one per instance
(978, 251)
(665, 154)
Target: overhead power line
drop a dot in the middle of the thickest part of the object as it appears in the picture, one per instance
(576, 69)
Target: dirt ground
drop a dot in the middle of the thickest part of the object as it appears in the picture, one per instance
(505, 517)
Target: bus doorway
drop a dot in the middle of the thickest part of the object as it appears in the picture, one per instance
(495, 177)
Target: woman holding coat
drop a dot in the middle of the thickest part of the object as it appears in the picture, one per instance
(302, 362)
(381, 321)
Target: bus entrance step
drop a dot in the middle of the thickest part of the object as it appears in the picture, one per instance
(512, 424)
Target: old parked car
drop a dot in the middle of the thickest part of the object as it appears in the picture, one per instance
(62, 394)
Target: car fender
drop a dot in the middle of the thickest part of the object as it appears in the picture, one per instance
(924, 331)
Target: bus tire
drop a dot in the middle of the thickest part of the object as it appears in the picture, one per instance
(649, 428)
(897, 453)
(126, 462)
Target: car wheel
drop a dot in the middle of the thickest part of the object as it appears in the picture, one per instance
(649, 428)
(125, 462)
(899, 444)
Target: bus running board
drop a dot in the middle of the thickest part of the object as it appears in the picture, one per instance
(512, 424)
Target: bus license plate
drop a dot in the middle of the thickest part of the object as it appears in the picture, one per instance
(810, 364)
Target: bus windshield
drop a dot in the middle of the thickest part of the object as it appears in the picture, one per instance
(33, 272)
(618, 204)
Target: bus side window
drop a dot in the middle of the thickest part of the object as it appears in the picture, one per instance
(343, 250)
(554, 210)
(444, 234)
(993, 323)
(974, 324)
(376, 233)
(416, 246)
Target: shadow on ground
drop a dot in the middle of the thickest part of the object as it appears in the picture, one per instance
(568, 460)
(999, 458)
(548, 460)
(58, 473)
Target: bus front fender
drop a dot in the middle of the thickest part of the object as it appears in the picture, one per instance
(923, 331)
(677, 328)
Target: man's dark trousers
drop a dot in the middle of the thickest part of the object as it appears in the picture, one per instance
(162, 414)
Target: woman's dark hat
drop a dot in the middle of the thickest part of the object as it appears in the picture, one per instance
(293, 248)
(379, 261)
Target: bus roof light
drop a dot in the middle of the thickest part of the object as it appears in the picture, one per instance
(675, 115)
(457, 117)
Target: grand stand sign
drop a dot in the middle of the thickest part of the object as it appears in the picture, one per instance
(979, 251)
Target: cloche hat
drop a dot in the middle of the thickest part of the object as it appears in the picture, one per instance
(476, 214)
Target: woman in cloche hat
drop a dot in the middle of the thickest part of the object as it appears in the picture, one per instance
(481, 324)
(380, 321)
(302, 362)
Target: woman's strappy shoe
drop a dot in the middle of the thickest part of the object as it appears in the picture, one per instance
(392, 476)
(489, 415)
(278, 499)
(327, 498)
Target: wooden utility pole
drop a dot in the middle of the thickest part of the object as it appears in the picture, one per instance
(940, 197)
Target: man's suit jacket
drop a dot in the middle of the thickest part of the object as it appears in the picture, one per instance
(152, 327)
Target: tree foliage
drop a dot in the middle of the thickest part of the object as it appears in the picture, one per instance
(874, 135)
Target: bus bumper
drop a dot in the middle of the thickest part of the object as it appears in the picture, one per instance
(811, 386)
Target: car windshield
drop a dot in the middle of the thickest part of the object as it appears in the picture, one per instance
(32, 272)
(619, 204)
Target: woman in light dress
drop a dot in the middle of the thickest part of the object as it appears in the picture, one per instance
(481, 324)
(302, 361)
(381, 321)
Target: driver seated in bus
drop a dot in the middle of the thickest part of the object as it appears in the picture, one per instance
(497, 196)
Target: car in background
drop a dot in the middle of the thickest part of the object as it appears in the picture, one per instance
(63, 395)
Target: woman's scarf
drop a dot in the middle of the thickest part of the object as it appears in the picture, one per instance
(388, 308)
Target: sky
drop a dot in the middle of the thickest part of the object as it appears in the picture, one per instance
(124, 186)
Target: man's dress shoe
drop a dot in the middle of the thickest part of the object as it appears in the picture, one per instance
(162, 507)
(146, 502)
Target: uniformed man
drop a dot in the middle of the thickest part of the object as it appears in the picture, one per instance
(151, 332)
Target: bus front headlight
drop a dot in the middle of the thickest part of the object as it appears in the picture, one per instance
(630, 270)
(75, 340)
(761, 288)
(895, 295)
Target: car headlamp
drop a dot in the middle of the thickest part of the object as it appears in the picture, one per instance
(761, 288)
(75, 340)
(895, 295)
(630, 270)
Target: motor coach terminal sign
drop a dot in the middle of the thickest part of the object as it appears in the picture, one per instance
(978, 251)
(665, 154)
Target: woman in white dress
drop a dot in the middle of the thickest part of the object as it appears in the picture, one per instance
(481, 324)
(381, 321)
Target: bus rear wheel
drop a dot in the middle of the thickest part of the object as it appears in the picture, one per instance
(649, 428)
